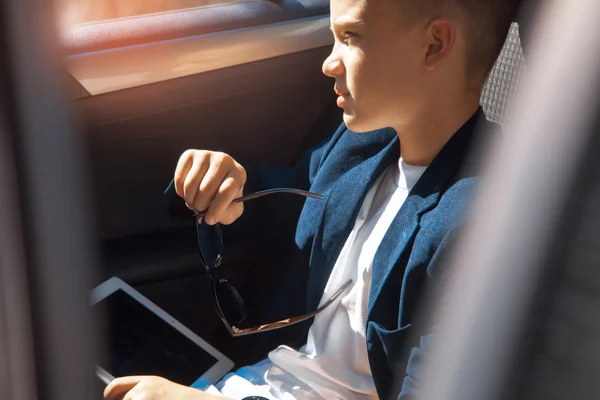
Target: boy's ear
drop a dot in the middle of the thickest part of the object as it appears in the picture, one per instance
(440, 38)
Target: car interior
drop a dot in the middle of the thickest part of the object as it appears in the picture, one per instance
(264, 112)
(253, 89)
(242, 77)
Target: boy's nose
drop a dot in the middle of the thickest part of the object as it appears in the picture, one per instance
(332, 66)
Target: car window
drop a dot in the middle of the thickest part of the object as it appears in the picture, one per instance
(75, 12)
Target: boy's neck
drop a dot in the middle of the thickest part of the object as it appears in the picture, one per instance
(423, 139)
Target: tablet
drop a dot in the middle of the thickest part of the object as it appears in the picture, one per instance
(145, 340)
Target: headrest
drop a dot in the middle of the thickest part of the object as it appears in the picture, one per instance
(526, 19)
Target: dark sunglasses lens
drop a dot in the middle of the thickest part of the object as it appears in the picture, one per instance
(210, 243)
(230, 301)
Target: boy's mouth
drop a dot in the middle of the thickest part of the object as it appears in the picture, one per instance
(340, 93)
(342, 98)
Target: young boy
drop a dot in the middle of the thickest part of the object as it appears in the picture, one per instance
(394, 198)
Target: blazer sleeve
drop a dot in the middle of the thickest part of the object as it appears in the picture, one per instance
(285, 209)
(414, 368)
(439, 273)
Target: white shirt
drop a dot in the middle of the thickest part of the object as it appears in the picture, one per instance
(334, 363)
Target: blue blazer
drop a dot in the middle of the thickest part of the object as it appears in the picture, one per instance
(410, 255)
(409, 258)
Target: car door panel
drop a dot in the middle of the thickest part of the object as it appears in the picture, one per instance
(257, 113)
(150, 87)
(137, 65)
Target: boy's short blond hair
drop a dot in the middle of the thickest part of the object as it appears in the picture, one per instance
(486, 23)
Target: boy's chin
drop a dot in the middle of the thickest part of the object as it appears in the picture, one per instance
(358, 124)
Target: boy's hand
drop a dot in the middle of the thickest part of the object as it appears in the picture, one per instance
(152, 388)
(209, 181)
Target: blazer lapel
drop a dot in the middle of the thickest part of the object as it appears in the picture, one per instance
(397, 240)
(339, 215)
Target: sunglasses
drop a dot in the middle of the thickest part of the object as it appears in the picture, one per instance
(228, 302)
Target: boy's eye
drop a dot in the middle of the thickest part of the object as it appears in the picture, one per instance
(348, 36)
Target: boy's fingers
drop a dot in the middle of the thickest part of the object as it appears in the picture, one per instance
(193, 180)
(210, 181)
(119, 387)
(233, 212)
(181, 171)
(208, 187)
(227, 192)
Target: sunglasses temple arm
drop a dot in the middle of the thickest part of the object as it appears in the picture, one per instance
(257, 195)
(252, 196)
(236, 332)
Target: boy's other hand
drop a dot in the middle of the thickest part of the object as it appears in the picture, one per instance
(152, 388)
(209, 181)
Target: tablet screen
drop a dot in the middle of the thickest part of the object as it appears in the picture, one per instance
(142, 343)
